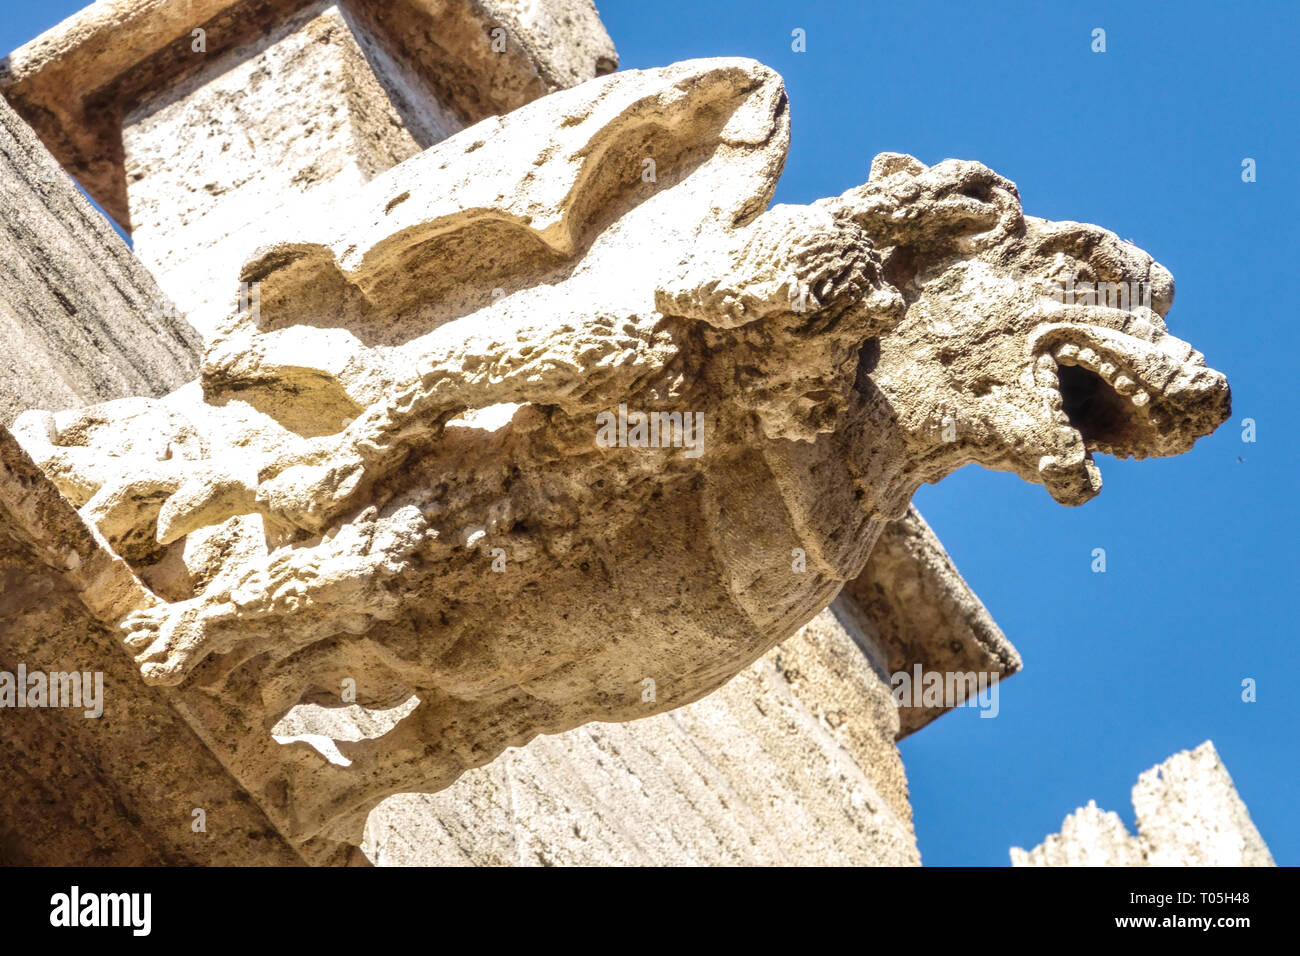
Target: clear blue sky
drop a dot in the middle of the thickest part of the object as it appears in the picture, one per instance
(1122, 669)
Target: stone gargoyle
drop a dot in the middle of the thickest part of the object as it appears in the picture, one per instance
(394, 469)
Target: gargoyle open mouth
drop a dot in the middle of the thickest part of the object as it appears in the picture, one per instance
(1118, 384)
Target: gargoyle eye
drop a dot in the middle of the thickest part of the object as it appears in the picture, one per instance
(977, 191)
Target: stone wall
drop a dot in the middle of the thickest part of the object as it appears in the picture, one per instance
(81, 319)
(792, 762)
(1188, 814)
(121, 788)
(320, 107)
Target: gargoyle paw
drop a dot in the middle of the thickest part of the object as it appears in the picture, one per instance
(169, 640)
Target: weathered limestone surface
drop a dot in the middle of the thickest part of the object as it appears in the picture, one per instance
(792, 762)
(692, 785)
(911, 597)
(375, 118)
(400, 414)
(81, 320)
(411, 399)
(155, 756)
(75, 83)
(259, 138)
(118, 789)
(1188, 814)
(640, 792)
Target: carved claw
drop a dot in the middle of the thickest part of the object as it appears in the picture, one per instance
(170, 640)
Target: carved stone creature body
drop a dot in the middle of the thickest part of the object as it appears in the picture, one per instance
(391, 471)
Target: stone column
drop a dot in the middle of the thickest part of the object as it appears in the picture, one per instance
(81, 320)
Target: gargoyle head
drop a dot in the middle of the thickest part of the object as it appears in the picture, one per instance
(1027, 345)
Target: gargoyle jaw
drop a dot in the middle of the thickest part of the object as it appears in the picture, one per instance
(1138, 393)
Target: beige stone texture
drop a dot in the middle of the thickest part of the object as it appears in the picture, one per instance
(81, 320)
(121, 788)
(398, 415)
(261, 137)
(324, 97)
(771, 769)
(1188, 814)
(921, 612)
(76, 82)
(806, 707)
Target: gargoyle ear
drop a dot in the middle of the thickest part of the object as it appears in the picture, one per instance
(977, 203)
(953, 204)
(887, 164)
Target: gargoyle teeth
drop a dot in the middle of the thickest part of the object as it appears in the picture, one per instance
(1068, 438)
(1123, 381)
(1126, 371)
(1048, 380)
